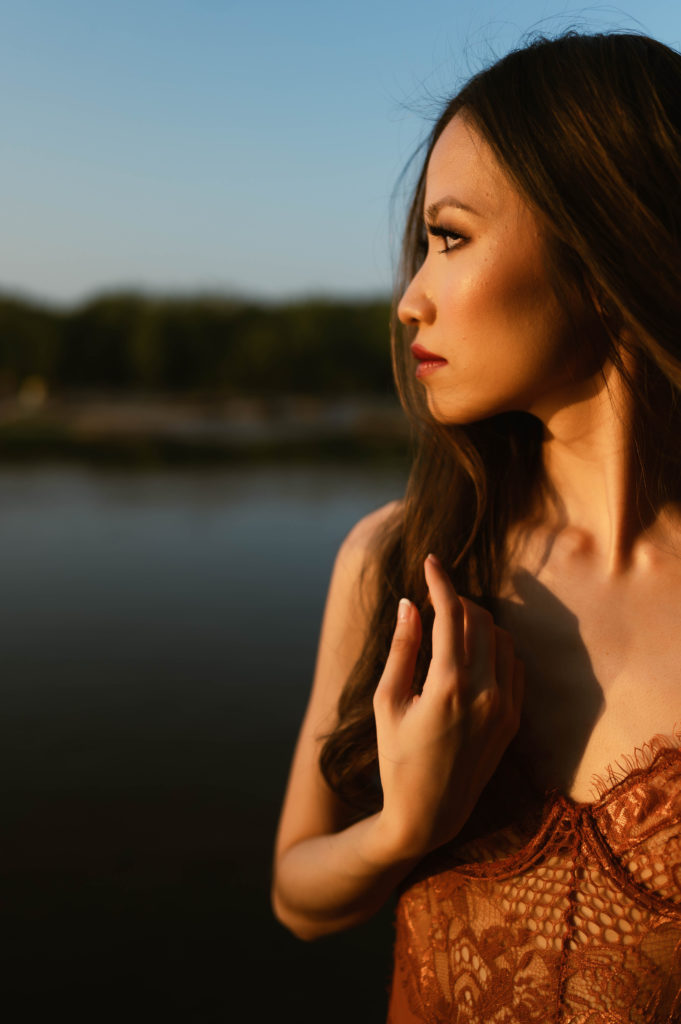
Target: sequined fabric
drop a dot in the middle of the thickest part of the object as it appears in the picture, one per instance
(570, 914)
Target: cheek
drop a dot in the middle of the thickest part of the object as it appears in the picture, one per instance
(513, 339)
(520, 293)
(496, 311)
(523, 316)
(497, 289)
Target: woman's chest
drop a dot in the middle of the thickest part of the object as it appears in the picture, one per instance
(603, 666)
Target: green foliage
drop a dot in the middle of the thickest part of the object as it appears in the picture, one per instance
(208, 346)
(30, 343)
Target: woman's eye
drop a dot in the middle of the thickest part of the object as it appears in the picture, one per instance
(451, 239)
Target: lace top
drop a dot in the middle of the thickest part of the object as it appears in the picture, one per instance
(572, 913)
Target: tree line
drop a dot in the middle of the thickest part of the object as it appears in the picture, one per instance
(201, 345)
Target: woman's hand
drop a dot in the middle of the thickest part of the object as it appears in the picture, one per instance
(438, 750)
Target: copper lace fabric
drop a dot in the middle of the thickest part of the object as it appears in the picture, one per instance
(570, 914)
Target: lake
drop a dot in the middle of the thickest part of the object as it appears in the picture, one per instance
(159, 634)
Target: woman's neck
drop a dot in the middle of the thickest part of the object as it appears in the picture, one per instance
(591, 474)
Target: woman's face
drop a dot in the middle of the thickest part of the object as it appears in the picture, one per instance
(482, 301)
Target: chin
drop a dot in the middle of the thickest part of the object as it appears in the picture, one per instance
(459, 414)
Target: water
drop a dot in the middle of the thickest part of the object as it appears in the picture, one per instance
(158, 641)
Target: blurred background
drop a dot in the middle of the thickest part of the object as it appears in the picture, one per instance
(201, 211)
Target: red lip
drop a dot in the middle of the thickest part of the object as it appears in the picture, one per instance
(428, 361)
(422, 354)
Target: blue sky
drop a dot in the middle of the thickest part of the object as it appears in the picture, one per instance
(225, 145)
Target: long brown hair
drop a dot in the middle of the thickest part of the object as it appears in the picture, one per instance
(588, 128)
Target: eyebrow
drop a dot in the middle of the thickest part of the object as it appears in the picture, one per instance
(434, 208)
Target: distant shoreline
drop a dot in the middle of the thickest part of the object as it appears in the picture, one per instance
(164, 429)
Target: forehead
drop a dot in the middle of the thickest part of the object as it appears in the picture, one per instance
(463, 166)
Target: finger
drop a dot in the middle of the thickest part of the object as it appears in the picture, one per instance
(448, 627)
(480, 641)
(395, 685)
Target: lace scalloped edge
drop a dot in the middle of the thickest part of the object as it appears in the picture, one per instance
(640, 760)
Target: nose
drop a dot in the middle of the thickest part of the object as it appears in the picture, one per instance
(416, 307)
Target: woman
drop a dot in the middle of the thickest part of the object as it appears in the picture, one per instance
(452, 740)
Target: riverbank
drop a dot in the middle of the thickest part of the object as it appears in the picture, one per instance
(153, 428)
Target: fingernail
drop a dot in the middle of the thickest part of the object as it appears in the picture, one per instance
(403, 609)
(433, 559)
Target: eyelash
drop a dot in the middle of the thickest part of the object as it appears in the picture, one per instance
(446, 233)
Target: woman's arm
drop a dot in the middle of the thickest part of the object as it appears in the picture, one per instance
(436, 751)
(327, 876)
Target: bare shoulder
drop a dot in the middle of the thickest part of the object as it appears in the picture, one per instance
(363, 539)
(310, 808)
(369, 525)
(355, 584)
